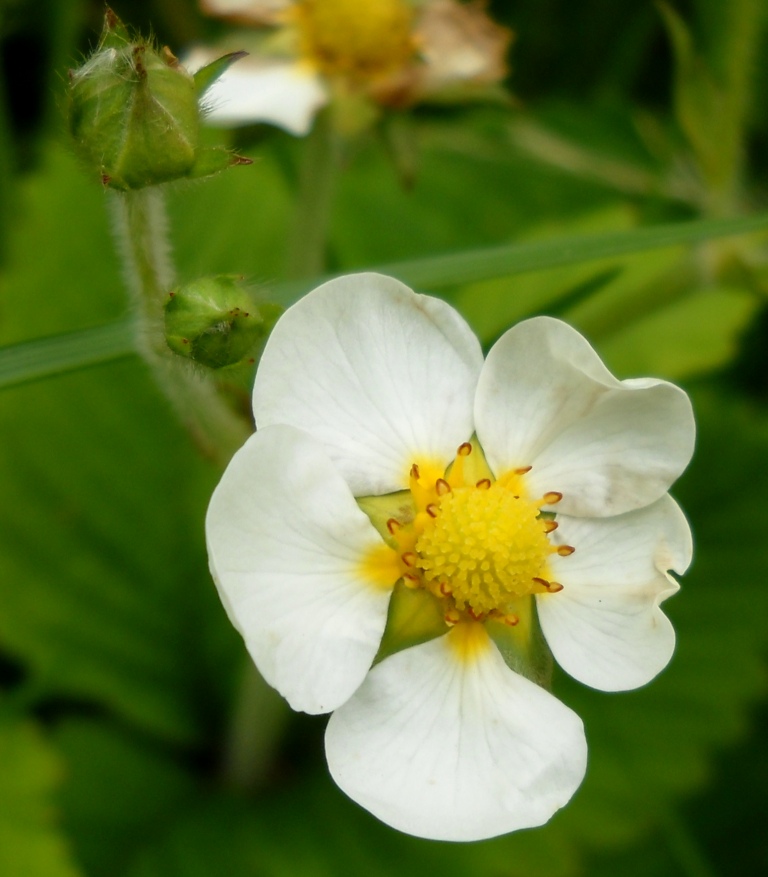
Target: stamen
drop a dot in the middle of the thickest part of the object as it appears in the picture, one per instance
(411, 580)
(442, 487)
(543, 582)
(452, 617)
(415, 471)
(552, 497)
(483, 483)
(393, 525)
(475, 616)
(445, 589)
(550, 526)
(409, 558)
(432, 510)
(511, 620)
(523, 469)
(565, 550)
(554, 587)
(464, 450)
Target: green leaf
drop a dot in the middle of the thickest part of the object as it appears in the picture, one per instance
(458, 269)
(59, 354)
(31, 844)
(505, 302)
(713, 83)
(701, 105)
(104, 591)
(492, 306)
(118, 795)
(692, 336)
(78, 283)
(311, 828)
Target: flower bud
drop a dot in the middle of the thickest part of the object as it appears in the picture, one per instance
(215, 321)
(134, 114)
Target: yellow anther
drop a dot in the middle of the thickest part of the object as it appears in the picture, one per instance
(552, 497)
(565, 550)
(465, 450)
(549, 525)
(442, 487)
(483, 484)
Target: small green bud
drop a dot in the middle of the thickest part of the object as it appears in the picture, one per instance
(134, 113)
(215, 321)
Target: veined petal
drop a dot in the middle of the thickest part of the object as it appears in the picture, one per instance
(286, 542)
(381, 376)
(605, 628)
(446, 742)
(545, 399)
(282, 93)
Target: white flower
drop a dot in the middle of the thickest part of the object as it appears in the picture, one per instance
(366, 389)
(391, 52)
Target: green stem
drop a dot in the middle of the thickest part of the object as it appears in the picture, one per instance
(257, 722)
(142, 233)
(317, 183)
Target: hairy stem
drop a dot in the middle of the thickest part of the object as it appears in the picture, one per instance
(142, 233)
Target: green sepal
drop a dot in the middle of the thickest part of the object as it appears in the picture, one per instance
(114, 34)
(380, 509)
(214, 159)
(415, 616)
(523, 646)
(134, 114)
(206, 76)
(215, 322)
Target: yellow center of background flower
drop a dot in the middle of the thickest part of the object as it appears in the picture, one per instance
(360, 39)
(486, 545)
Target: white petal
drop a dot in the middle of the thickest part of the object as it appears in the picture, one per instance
(282, 93)
(381, 376)
(605, 628)
(248, 11)
(285, 541)
(545, 399)
(454, 748)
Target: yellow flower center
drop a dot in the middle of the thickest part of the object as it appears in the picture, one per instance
(480, 546)
(486, 547)
(360, 39)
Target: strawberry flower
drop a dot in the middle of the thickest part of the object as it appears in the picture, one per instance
(305, 54)
(412, 530)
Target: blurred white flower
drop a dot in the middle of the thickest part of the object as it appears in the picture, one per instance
(366, 389)
(391, 52)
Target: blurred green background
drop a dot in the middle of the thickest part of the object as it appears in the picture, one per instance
(118, 668)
